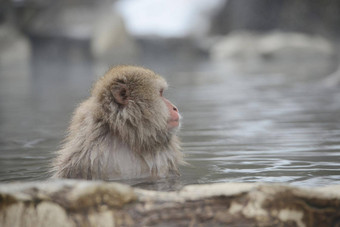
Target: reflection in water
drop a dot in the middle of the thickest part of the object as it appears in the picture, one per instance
(236, 128)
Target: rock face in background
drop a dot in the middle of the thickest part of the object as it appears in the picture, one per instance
(12, 43)
(276, 52)
(102, 32)
(110, 39)
(90, 203)
(308, 17)
(96, 23)
(314, 17)
(333, 79)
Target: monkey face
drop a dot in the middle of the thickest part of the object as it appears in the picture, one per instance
(133, 97)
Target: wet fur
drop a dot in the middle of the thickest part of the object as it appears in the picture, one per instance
(109, 140)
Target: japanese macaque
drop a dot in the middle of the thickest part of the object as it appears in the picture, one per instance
(125, 130)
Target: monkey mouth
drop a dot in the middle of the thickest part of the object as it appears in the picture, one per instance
(176, 120)
(173, 122)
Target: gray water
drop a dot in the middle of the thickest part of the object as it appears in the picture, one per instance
(237, 127)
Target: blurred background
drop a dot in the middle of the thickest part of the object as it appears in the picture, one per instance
(256, 81)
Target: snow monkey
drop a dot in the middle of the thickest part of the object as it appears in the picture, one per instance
(126, 129)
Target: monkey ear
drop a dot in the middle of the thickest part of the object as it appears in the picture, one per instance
(120, 93)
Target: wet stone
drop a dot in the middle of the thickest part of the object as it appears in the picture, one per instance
(95, 203)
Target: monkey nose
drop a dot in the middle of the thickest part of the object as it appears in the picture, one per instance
(175, 108)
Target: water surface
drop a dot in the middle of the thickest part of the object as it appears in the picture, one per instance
(236, 127)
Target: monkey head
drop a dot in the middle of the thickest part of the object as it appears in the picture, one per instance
(130, 101)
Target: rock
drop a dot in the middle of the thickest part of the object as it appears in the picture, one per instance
(99, 24)
(15, 49)
(276, 52)
(313, 17)
(333, 80)
(110, 39)
(95, 203)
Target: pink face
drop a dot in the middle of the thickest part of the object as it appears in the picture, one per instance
(174, 118)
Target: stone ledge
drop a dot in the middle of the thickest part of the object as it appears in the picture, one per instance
(95, 203)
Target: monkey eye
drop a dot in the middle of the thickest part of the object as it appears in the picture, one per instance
(161, 92)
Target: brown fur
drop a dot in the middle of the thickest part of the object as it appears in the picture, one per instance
(121, 131)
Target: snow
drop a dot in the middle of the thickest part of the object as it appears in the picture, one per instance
(167, 18)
